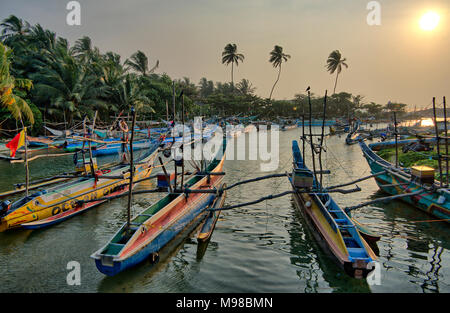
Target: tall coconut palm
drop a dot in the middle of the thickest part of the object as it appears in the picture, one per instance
(230, 55)
(276, 58)
(16, 105)
(334, 64)
(129, 93)
(67, 86)
(13, 27)
(139, 62)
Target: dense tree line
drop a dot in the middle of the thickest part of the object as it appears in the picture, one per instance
(45, 79)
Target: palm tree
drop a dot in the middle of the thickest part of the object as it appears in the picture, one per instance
(139, 62)
(130, 93)
(276, 58)
(245, 87)
(13, 103)
(230, 55)
(13, 27)
(67, 86)
(334, 64)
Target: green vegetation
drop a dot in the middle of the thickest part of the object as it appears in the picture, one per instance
(428, 158)
(51, 81)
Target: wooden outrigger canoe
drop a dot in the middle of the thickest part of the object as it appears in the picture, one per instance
(396, 181)
(333, 229)
(49, 206)
(156, 226)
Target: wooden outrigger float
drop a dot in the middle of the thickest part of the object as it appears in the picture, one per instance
(152, 229)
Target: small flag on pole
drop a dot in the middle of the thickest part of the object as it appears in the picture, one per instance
(17, 142)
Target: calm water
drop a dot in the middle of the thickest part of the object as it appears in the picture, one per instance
(261, 248)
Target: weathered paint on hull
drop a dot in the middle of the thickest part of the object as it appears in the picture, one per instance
(156, 245)
(50, 204)
(426, 201)
(320, 239)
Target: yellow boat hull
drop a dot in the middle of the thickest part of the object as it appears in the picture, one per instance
(57, 200)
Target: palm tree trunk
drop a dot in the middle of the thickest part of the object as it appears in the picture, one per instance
(279, 72)
(232, 80)
(337, 74)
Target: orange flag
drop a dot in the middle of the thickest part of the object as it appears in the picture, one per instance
(17, 142)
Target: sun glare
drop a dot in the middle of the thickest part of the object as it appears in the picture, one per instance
(429, 21)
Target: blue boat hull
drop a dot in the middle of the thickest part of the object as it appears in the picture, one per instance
(156, 244)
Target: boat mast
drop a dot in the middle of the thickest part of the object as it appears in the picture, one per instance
(446, 143)
(321, 136)
(90, 148)
(130, 188)
(437, 141)
(182, 147)
(27, 174)
(311, 136)
(84, 142)
(173, 135)
(396, 140)
(303, 137)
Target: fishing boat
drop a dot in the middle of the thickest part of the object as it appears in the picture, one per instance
(333, 229)
(56, 204)
(115, 148)
(152, 229)
(377, 146)
(316, 122)
(418, 182)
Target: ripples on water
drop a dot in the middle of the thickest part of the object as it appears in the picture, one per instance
(260, 248)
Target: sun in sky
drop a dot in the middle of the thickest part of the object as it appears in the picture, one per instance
(429, 21)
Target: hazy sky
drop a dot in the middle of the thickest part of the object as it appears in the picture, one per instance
(396, 61)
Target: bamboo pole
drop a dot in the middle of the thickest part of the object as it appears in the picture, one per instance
(182, 147)
(311, 136)
(82, 148)
(437, 141)
(91, 161)
(130, 188)
(446, 143)
(321, 137)
(396, 139)
(27, 174)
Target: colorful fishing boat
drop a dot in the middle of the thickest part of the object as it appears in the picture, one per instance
(156, 226)
(427, 194)
(333, 229)
(49, 206)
